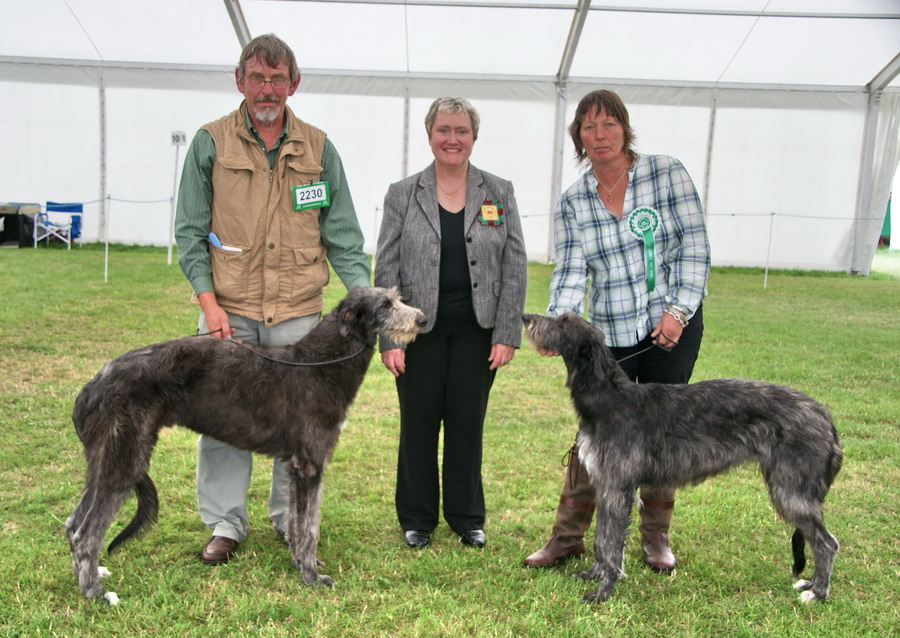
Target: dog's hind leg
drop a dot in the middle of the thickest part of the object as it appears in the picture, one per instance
(85, 529)
(824, 548)
(798, 497)
(303, 519)
(613, 515)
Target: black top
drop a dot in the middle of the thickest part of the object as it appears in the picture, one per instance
(455, 296)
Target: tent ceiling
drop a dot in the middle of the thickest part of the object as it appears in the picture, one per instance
(841, 44)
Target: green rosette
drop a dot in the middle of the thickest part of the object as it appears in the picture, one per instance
(643, 222)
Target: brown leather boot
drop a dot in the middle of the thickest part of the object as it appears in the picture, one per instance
(557, 550)
(573, 517)
(656, 516)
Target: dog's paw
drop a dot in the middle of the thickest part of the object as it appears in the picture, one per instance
(586, 575)
(325, 581)
(111, 597)
(802, 585)
(102, 572)
(594, 597)
(808, 596)
(315, 579)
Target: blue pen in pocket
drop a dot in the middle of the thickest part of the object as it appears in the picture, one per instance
(215, 242)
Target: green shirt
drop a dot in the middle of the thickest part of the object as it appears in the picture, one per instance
(339, 227)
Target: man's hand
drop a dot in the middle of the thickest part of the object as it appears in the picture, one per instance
(216, 318)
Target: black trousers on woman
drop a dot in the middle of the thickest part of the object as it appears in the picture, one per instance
(660, 366)
(447, 381)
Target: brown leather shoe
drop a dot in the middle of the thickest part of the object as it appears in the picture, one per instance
(657, 553)
(218, 550)
(557, 550)
(656, 516)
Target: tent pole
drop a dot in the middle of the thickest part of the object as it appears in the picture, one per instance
(238, 21)
(556, 178)
(559, 134)
(104, 221)
(710, 137)
(859, 263)
(864, 192)
(404, 165)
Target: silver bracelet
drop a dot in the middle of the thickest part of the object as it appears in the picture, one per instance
(678, 314)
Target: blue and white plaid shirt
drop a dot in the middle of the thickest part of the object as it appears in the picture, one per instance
(593, 243)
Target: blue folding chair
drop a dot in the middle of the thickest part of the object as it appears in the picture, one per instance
(65, 231)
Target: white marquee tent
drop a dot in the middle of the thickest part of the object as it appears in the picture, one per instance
(785, 112)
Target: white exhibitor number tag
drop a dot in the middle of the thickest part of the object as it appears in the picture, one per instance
(311, 196)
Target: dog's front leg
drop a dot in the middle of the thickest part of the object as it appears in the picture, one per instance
(303, 519)
(613, 514)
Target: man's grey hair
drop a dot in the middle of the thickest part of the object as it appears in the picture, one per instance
(272, 51)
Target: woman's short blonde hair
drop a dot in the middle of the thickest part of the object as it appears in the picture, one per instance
(453, 106)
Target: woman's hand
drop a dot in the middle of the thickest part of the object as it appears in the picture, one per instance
(501, 354)
(394, 360)
(667, 332)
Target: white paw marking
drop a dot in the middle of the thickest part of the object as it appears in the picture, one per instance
(102, 572)
(111, 598)
(801, 585)
(807, 597)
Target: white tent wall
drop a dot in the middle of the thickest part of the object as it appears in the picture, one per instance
(796, 154)
(766, 102)
(51, 137)
(791, 172)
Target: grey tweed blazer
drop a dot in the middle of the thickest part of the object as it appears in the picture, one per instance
(409, 251)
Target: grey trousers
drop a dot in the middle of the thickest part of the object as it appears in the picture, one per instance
(223, 471)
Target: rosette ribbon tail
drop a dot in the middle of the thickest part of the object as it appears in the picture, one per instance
(650, 259)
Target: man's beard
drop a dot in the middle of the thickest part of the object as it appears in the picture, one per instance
(267, 115)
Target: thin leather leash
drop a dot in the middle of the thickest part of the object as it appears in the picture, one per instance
(287, 363)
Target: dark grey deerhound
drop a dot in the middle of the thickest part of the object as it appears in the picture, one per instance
(228, 391)
(671, 435)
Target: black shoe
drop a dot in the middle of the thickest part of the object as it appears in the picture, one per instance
(472, 538)
(416, 538)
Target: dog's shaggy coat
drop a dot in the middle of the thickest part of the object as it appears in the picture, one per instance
(671, 435)
(228, 391)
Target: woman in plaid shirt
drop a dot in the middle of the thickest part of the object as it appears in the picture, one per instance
(632, 226)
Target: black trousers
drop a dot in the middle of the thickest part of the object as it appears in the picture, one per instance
(447, 381)
(658, 366)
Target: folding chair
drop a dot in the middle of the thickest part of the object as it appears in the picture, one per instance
(64, 231)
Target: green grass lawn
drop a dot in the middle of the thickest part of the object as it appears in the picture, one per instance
(830, 335)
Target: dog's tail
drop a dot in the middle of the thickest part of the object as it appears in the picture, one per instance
(835, 459)
(147, 511)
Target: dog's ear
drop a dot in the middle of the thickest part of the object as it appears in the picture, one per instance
(345, 320)
(601, 365)
(570, 377)
(579, 362)
(347, 317)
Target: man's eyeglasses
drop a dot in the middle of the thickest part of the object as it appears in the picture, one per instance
(257, 81)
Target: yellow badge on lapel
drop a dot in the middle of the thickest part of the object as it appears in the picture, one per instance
(491, 213)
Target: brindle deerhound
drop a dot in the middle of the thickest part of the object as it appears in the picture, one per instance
(671, 435)
(249, 397)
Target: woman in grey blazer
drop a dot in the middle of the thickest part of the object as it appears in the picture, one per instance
(451, 241)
